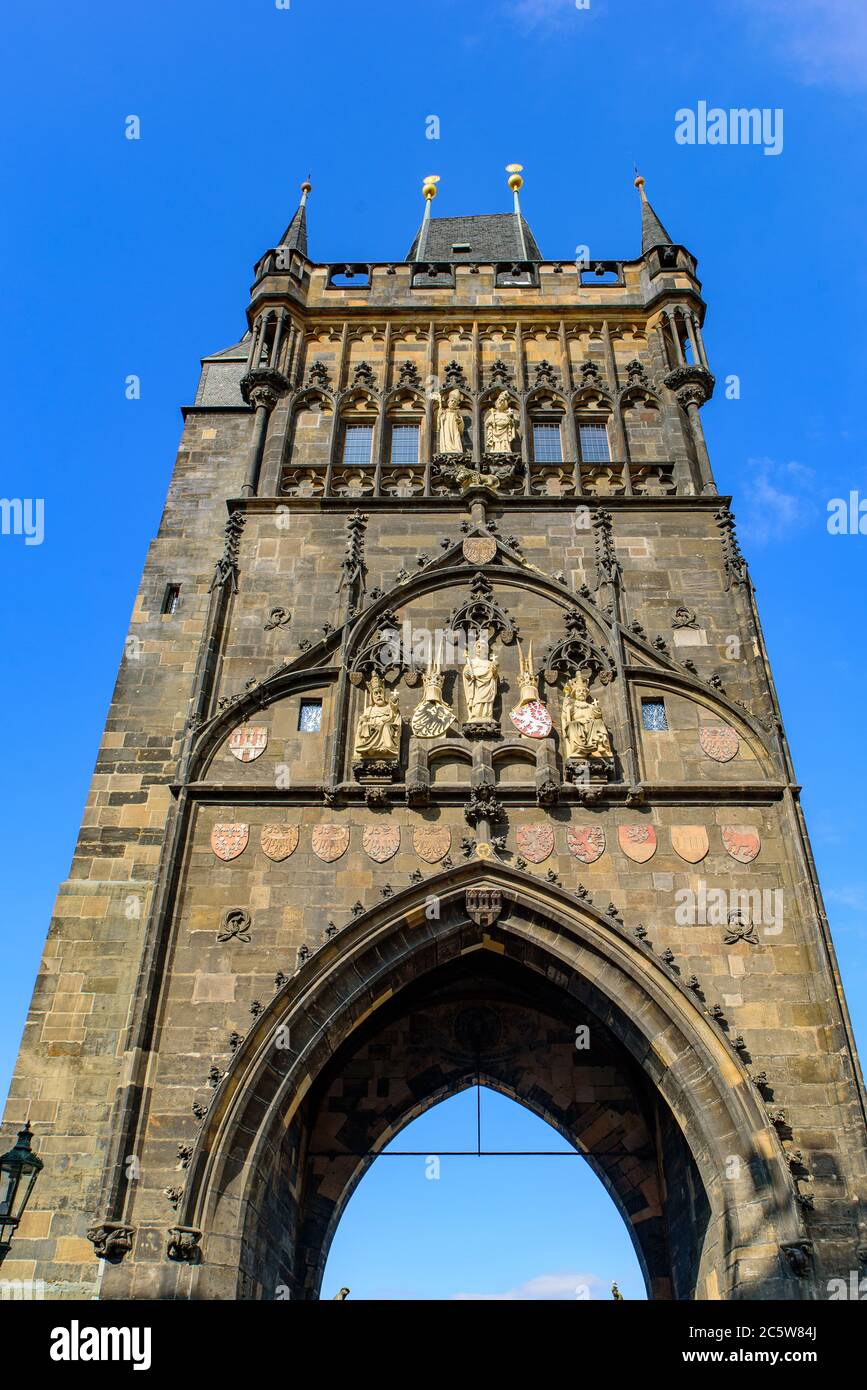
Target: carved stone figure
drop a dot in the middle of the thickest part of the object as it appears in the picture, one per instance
(481, 677)
(584, 733)
(432, 717)
(500, 426)
(377, 731)
(450, 426)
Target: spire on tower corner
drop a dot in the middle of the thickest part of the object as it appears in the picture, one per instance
(295, 236)
(652, 231)
(429, 190)
(516, 183)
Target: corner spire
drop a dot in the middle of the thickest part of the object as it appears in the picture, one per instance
(516, 183)
(429, 190)
(295, 236)
(652, 231)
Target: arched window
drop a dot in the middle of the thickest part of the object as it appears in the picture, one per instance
(593, 442)
(357, 444)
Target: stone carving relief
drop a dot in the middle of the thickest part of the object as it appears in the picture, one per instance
(530, 716)
(481, 679)
(585, 737)
(377, 732)
(501, 426)
(432, 717)
(450, 423)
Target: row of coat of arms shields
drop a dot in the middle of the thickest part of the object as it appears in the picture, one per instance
(720, 742)
(535, 843)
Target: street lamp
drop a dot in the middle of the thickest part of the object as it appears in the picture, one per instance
(19, 1169)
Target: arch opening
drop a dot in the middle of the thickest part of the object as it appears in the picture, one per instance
(528, 1220)
(405, 1009)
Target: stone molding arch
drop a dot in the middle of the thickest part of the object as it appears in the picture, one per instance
(745, 724)
(680, 1048)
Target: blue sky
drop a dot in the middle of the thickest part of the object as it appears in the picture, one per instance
(134, 257)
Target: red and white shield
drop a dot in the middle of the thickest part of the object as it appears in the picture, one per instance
(229, 840)
(638, 842)
(535, 842)
(279, 841)
(719, 742)
(432, 842)
(330, 841)
(586, 842)
(742, 842)
(381, 841)
(532, 719)
(248, 742)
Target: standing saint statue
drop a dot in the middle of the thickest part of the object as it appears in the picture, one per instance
(584, 731)
(481, 677)
(501, 426)
(450, 426)
(377, 732)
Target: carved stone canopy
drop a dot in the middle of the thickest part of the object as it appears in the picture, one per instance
(577, 652)
(481, 613)
(382, 655)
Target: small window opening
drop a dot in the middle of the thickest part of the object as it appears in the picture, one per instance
(171, 599)
(310, 716)
(653, 716)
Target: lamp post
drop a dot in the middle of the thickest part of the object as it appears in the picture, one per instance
(19, 1169)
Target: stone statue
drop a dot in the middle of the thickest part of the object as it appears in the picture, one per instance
(432, 717)
(584, 731)
(450, 427)
(481, 677)
(530, 716)
(377, 732)
(500, 426)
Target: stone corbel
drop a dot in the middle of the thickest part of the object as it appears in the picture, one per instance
(547, 781)
(111, 1240)
(183, 1245)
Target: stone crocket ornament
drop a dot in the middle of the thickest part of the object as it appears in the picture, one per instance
(584, 733)
(432, 717)
(377, 730)
(530, 716)
(481, 679)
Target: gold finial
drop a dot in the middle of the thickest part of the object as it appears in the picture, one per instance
(639, 183)
(429, 186)
(516, 183)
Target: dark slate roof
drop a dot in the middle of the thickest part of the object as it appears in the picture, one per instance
(652, 231)
(491, 237)
(295, 236)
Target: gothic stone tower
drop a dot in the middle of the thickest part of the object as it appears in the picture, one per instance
(445, 749)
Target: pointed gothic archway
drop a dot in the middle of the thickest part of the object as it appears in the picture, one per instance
(411, 1004)
(528, 1221)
